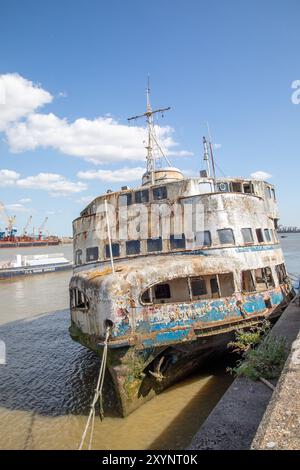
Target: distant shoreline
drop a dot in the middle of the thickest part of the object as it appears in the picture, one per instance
(288, 231)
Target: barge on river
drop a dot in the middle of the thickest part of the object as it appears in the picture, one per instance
(20, 266)
(174, 267)
(27, 242)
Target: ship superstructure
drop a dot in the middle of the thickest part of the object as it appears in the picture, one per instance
(174, 266)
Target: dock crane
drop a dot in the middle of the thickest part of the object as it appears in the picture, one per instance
(41, 228)
(10, 220)
(26, 226)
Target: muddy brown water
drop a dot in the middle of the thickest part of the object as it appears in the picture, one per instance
(47, 383)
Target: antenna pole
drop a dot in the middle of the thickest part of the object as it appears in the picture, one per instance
(206, 156)
(211, 152)
(150, 159)
(151, 134)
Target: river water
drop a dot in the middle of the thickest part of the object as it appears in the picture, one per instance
(47, 383)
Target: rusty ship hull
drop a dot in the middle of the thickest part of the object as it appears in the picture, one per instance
(154, 346)
(141, 370)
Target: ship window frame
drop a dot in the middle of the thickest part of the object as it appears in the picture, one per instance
(152, 241)
(177, 241)
(164, 295)
(251, 281)
(159, 193)
(230, 285)
(128, 197)
(114, 246)
(259, 235)
(222, 232)
(236, 187)
(141, 199)
(194, 279)
(78, 300)
(216, 290)
(260, 280)
(281, 273)
(78, 257)
(248, 185)
(267, 235)
(88, 252)
(275, 237)
(136, 243)
(204, 234)
(143, 300)
(268, 192)
(249, 231)
(269, 276)
(266, 278)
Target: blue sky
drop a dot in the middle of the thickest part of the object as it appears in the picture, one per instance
(231, 63)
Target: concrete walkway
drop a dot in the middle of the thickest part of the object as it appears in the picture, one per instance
(280, 426)
(234, 422)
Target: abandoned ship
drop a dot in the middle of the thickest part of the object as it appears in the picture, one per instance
(173, 267)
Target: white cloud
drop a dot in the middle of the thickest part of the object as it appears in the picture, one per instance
(59, 211)
(217, 146)
(8, 177)
(56, 185)
(178, 153)
(16, 208)
(261, 175)
(114, 176)
(25, 200)
(18, 98)
(102, 140)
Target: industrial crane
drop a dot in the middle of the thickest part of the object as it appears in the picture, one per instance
(26, 226)
(10, 220)
(41, 228)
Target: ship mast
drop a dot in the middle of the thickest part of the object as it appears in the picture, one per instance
(206, 156)
(152, 140)
(211, 152)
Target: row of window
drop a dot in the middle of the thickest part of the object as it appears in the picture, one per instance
(177, 242)
(186, 289)
(160, 192)
(210, 287)
(199, 287)
(143, 195)
(247, 188)
(235, 187)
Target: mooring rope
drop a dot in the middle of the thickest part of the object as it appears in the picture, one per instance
(97, 396)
